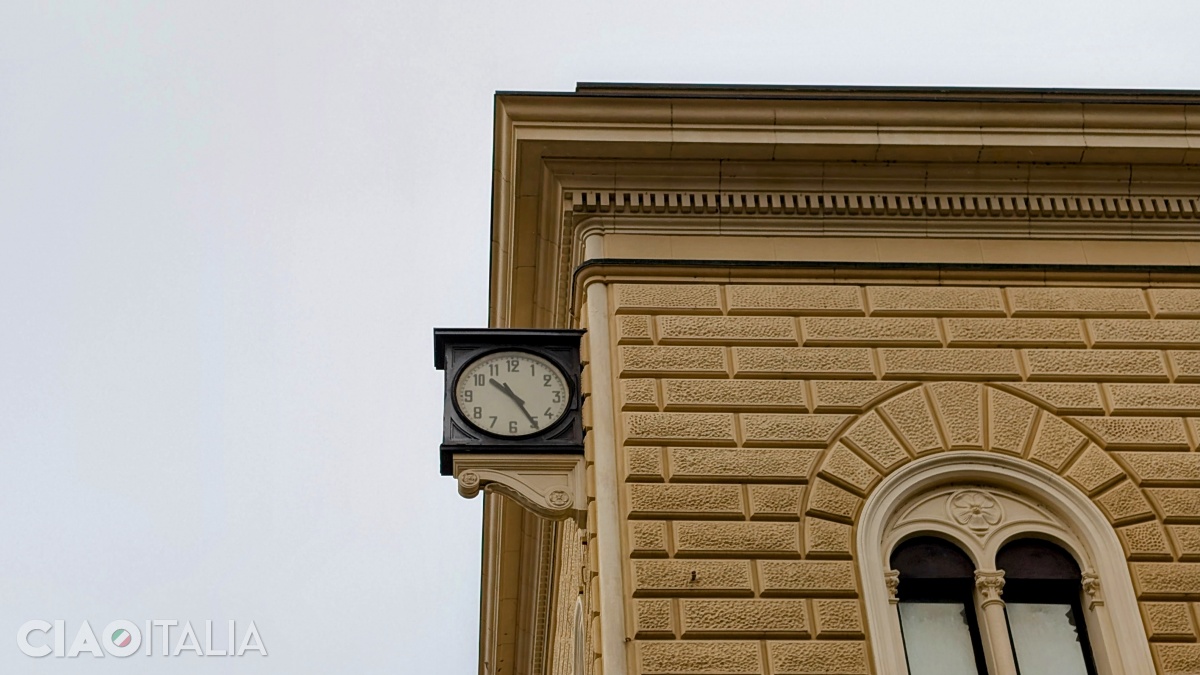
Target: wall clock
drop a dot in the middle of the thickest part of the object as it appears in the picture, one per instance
(509, 391)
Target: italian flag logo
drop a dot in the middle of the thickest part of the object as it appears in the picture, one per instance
(121, 637)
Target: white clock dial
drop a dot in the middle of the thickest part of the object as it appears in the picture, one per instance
(511, 393)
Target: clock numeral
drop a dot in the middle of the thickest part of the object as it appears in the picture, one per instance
(468, 395)
(493, 422)
(549, 414)
(558, 396)
(477, 412)
(514, 365)
(480, 380)
(531, 371)
(545, 380)
(493, 368)
(512, 427)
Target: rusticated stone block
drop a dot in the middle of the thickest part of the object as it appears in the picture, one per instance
(1177, 659)
(829, 500)
(1185, 365)
(818, 657)
(1144, 541)
(968, 364)
(651, 500)
(843, 466)
(960, 407)
(644, 464)
(838, 618)
(1055, 442)
(633, 329)
(1177, 505)
(1175, 302)
(696, 657)
(726, 329)
(871, 437)
(1124, 503)
(909, 414)
(1186, 539)
(846, 362)
(675, 427)
(826, 539)
(1130, 365)
(775, 502)
(1065, 398)
(1094, 470)
(1138, 432)
(1169, 621)
(652, 619)
(807, 578)
(852, 396)
(691, 577)
(1042, 301)
(1155, 580)
(722, 464)
(1143, 333)
(744, 618)
(639, 394)
(648, 539)
(755, 539)
(639, 360)
(795, 299)
(728, 394)
(783, 429)
(1141, 399)
(934, 300)
(837, 331)
(1011, 420)
(689, 298)
(1162, 468)
(1014, 332)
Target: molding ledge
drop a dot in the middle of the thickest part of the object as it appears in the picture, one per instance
(551, 485)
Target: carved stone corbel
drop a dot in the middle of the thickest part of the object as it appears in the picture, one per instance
(552, 486)
(891, 579)
(1091, 587)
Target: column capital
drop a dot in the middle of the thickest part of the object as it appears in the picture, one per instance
(990, 585)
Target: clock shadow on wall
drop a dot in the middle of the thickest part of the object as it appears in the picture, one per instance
(509, 391)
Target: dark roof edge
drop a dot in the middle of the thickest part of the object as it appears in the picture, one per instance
(873, 93)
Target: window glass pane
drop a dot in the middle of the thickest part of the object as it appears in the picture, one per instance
(937, 638)
(1045, 639)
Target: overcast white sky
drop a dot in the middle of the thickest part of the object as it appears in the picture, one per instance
(227, 230)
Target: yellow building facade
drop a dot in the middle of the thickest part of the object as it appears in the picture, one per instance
(825, 328)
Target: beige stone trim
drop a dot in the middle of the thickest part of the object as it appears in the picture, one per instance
(613, 636)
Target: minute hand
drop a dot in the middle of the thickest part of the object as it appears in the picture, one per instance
(516, 399)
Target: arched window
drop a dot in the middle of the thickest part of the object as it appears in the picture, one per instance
(1042, 592)
(937, 611)
(580, 641)
(982, 564)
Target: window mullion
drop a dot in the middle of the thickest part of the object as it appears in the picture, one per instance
(989, 586)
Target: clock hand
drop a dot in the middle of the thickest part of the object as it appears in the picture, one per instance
(516, 399)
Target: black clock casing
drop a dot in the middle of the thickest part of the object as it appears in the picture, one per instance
(455, 348)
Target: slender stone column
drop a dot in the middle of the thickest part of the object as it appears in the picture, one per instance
(989, 586)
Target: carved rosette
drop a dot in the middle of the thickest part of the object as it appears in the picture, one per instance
(990, 586)
(976, 510)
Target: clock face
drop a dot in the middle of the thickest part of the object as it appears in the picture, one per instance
(511, 393)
